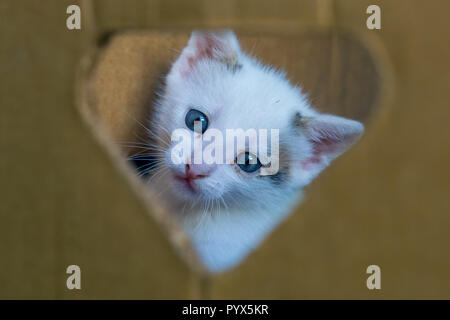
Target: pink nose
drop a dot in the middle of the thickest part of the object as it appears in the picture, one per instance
(198, 171)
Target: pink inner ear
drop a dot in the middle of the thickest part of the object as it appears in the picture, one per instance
(324, 145)
(205, 46)
(203, 49)
(321, 146)
(202, 46)
(329, 137)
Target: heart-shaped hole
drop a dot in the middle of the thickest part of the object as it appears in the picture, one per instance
(119, 87)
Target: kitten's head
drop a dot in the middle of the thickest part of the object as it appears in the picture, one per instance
(214, 83)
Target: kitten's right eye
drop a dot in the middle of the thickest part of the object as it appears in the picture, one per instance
(248, 162)
(195, 115)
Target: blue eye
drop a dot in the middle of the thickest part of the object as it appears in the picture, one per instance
(195, 115)
(248, 162)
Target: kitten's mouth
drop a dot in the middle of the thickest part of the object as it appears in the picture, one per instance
(187, 182)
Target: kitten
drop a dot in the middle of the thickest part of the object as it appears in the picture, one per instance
(227, 209)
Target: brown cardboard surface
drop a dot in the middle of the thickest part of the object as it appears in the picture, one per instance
(63, 202)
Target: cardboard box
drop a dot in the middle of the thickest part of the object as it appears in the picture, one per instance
(68, 199)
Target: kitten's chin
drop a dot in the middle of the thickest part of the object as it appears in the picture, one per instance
(191, 191)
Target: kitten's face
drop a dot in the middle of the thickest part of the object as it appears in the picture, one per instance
(213, 81)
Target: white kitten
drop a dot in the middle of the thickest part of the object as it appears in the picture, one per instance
(227, 209)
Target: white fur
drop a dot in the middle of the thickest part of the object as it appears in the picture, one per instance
(232, 211)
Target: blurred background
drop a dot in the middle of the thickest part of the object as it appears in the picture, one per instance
(64, 201)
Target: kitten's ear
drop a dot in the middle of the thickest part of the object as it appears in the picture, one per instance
(221, 46)
(329, 136)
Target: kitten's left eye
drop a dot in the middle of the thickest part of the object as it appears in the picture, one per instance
(248, 162)
(195, 115)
